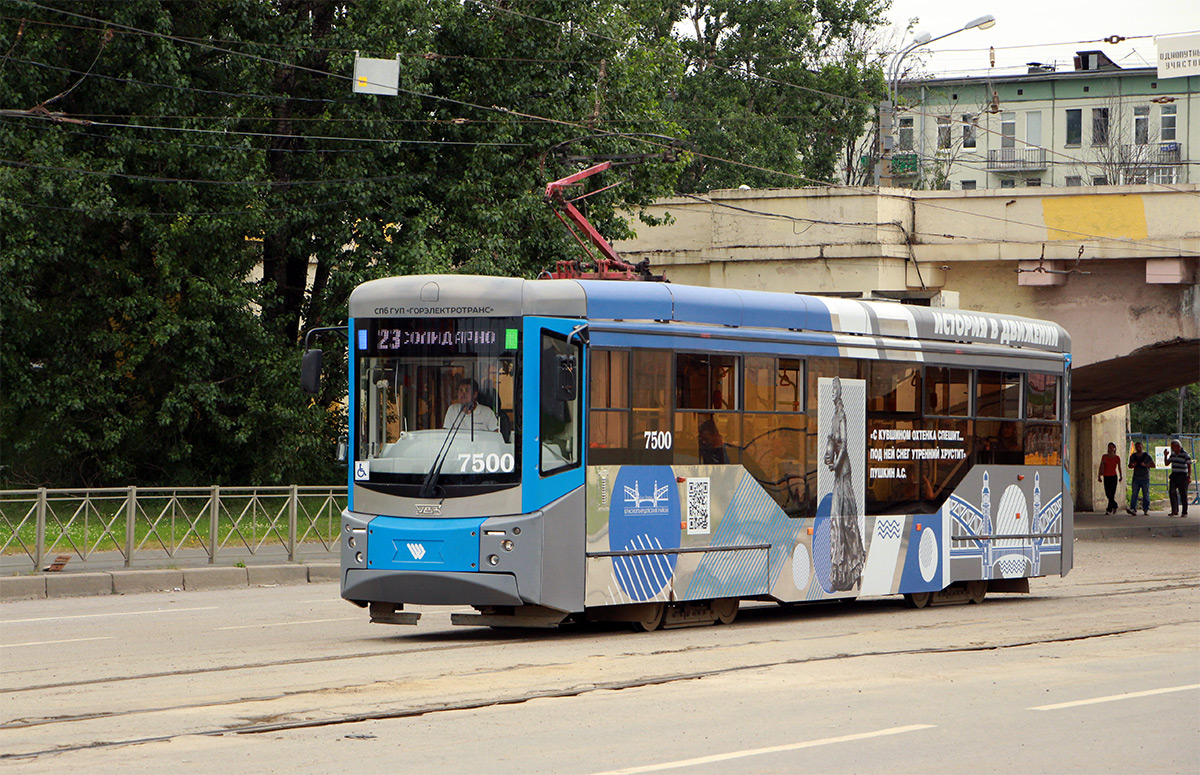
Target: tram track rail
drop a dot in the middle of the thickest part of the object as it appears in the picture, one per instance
(1191, 581)
(282, 710)
(518, 697)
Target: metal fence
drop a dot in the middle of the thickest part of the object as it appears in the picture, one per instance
(163, 523)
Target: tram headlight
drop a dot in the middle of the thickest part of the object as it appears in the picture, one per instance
(506, 545)
(351, 542)
(358, 558)
(493, 559)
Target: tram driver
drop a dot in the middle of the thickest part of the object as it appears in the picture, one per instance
(478, 416)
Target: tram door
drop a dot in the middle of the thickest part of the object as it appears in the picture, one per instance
(552, 450)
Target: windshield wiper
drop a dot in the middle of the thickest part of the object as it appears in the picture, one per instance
(429, 486)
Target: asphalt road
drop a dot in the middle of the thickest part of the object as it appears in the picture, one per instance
(1097, 672)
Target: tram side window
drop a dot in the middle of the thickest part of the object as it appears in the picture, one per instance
(773, 429)
(1041, 397)
(608, 420)
(893, 388)
(707, 438)
(947, 392)
(559, 416)
(705, 382)
(998, 394)
(758, 383)
(1043, 444)
(651, 439)
(707, 430)
(1000, 441)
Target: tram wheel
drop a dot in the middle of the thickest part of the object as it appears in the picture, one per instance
(725, 609)
(976, 591)
(653, 620)
(918, 599)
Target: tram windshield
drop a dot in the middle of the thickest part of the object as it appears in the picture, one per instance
(438, 402)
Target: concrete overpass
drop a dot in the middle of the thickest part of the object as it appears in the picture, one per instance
(1117, 266)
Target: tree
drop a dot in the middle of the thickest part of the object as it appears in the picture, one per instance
(185, 185)
(775, 85)
(1125, 147)
(1160, 414)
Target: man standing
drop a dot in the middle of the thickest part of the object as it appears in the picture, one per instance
(1180, 477)
(1141, 462)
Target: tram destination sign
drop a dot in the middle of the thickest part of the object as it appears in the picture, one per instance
(437, 336)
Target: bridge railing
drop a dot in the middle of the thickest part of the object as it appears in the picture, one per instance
(129, 523)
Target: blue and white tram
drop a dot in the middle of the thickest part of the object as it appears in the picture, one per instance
(653, 453)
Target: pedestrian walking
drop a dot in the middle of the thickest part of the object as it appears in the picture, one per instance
(1178, 479)
(1110, 474)
(1141, 462)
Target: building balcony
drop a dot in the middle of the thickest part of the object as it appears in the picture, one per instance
(1016, 159)
(1152, 154)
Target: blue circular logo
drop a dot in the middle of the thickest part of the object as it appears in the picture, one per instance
(644, 516)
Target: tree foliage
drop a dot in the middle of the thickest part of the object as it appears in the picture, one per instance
(1160, 414)
(777, 85)
(184, 187)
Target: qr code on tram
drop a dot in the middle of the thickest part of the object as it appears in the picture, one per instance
(698, 501)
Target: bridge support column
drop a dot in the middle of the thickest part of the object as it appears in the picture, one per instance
(1089, 440)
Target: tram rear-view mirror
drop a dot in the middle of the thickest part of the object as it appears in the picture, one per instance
(310, 372)
(343, 448)
(566, 387)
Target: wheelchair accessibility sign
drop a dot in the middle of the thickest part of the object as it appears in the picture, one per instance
(362, 470)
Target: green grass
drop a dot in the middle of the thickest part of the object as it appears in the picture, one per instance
(160, 524)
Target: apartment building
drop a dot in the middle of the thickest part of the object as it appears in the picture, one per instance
(1098, 124)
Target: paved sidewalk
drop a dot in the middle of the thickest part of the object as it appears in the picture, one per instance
(105, 573)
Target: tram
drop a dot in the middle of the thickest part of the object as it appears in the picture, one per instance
(553, 450)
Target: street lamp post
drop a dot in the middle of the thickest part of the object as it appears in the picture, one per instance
(887, 108)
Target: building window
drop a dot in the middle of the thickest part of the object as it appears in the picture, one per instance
(1074, 181)
(1167, 130)
(905, 141)
(1033, 182)
(1008, 130)
(1099, 180)
(1099, 126)
(1033, 128)
(1162, 175)
(968, 135)
(1008, 183)
(1141, 124)
(943, 130)
(968, 185)
(1075, 126)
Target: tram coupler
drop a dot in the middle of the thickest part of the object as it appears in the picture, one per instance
(392, 613)
(525, 616)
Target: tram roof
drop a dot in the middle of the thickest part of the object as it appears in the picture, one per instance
(466, 295)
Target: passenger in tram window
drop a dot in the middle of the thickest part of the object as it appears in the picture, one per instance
(1110, 474)
(1010, 447)
(478, 417)
(712, 444)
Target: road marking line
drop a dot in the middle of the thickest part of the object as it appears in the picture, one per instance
(760, 751)
(110, 615)
(48, 642)
(288, 624)
(1115, 697)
